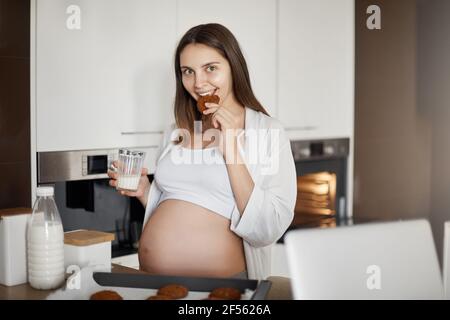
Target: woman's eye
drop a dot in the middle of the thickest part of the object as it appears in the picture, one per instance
(211, 68)
(187, 71)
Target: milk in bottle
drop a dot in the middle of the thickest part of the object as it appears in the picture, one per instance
(45, 242)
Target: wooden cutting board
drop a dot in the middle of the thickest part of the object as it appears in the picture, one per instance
(87, 237)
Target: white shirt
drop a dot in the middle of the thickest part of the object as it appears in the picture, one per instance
(270, 209)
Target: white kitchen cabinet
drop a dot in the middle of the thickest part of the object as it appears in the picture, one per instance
(111, 83)
(316, 68)
(253, 22)
(108, 83)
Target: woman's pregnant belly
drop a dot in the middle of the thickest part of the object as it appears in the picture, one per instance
(182, 238)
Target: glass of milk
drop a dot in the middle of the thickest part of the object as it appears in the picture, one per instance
(129, 169)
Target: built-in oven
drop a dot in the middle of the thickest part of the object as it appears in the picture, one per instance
(321, 167)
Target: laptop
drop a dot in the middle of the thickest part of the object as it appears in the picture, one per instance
(446, 258)
(390, 260)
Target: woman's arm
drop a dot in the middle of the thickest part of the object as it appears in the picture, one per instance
(265, 197)
(270, 207)
(240, 179)
(144, 197)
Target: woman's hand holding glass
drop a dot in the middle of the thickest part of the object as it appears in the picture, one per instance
(143, 187)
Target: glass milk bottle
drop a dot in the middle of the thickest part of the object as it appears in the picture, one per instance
(45, 243)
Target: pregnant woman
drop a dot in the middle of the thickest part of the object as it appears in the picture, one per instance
(224, 186)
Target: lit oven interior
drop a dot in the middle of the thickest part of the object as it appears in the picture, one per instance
(321, 168)
(316, 193)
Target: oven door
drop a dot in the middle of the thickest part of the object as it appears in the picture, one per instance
(321, 168)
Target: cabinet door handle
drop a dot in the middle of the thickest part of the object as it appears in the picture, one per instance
(303, 128)
(141, 132)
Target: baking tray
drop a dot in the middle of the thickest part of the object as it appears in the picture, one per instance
(203, 284)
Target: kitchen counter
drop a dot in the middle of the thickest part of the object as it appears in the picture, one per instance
(26, 292)
(280, 288)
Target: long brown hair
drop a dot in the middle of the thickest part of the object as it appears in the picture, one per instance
(220, 38)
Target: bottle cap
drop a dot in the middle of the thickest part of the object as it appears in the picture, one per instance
(44, 191)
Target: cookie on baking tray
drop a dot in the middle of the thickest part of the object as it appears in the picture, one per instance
(106, 295)
(225, 293)
(174, 291)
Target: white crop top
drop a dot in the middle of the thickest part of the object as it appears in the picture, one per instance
(199, 176)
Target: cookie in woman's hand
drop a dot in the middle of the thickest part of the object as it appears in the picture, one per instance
(206, 99)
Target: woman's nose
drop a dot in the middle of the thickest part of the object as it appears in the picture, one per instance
(200, 80)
